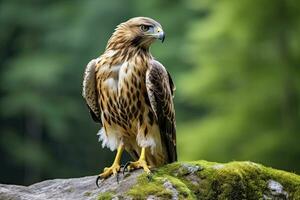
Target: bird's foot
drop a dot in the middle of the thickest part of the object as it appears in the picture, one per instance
(108, 171)
(137, 165)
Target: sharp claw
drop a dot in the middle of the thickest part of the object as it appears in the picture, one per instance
(97, 180)
(117, 176)
(125, 167)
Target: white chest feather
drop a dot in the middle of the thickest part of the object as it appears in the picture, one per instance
(112, 81)
(119, 74)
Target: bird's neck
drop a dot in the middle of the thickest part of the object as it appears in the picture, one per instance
(124, 47)
(126, 53)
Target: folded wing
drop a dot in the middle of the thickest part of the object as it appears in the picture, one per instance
(89, 90)
(160, 90)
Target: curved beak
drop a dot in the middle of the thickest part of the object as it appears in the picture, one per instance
(160, 34)
(162, 37)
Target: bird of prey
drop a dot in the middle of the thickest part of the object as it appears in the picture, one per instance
(131, 95)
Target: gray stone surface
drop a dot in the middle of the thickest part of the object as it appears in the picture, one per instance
(275, 191)
(182, 180)
(74, 188)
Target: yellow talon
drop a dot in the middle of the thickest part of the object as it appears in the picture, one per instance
(141, 163)
(115, 168)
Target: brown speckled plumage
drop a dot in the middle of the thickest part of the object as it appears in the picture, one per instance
(131, 95)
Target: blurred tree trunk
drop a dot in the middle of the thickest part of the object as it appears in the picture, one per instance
(290, 103)
(33, 133)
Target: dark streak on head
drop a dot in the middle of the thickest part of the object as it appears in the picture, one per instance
(136, 40)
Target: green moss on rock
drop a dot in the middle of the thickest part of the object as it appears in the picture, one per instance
(105, 196)
(208, 180)
(149, 186)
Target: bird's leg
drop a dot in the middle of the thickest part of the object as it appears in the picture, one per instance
(140, 163)
(115, 168)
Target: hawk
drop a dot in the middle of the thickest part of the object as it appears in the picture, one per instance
(131, 95)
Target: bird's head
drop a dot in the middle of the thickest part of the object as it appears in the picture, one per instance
(138, 32)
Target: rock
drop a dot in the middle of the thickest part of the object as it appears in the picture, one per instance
(275, 191)
(169, 186)
(74, 188)
(182, 180)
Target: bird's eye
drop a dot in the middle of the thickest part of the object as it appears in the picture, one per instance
(145, 28)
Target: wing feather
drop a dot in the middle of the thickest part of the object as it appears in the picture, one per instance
(89, 90)
(160, 88)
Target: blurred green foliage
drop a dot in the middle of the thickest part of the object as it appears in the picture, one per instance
(246, 77)
(235, 64)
